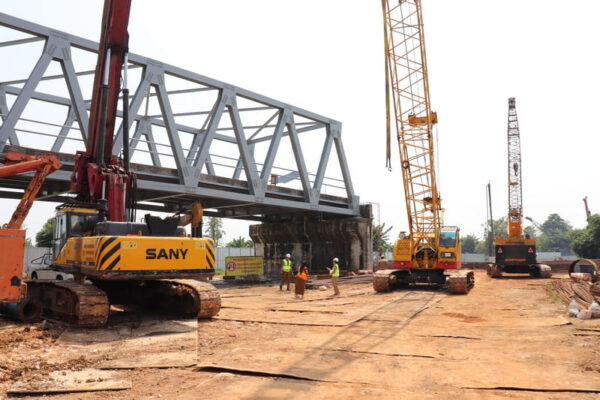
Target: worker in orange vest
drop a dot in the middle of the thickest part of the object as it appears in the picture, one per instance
(301, 279)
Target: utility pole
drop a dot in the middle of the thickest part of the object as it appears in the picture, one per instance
(491, 236)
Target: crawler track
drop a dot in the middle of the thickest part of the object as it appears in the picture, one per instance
(381, 280)
(178, 297)
(460, 282)
(78, 304)
(207, 301)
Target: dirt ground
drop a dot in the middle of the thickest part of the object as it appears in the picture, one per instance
(508, 338)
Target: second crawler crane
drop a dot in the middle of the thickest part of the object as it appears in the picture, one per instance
(515, 253)
(430, 252)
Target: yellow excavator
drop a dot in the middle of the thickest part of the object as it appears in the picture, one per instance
(152, 264)
(429, 253)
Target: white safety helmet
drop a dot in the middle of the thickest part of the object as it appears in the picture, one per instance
(288, 255)
(335, 259)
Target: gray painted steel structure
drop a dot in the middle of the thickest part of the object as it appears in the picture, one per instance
(233, 116)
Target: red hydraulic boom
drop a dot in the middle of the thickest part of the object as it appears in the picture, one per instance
(98, 177)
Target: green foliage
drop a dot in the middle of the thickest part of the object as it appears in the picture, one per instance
(381, 241)
(531, 231)
(28, 242)
(555, 234)
(240, 242)
(214, 230)
(482, 247)
(469, 243)
(586, 242)
(500, 229)
(44, 237)
(552, 292)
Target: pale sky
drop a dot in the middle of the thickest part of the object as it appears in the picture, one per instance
(327, 56)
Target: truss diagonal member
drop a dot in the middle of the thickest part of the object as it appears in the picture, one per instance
(64, 131)
(309, 196)
(189, 176)
(148, 74)
(273, 147)
(152, 145)
(23, 98)
(239, 167)
(246, 155)
(339, 147)
(211, 130)
(79, 107)
(135, 138)
(325, 154)
(13, 138)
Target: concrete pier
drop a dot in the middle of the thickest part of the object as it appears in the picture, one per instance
(316, 242)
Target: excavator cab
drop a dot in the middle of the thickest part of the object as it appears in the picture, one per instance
(72, 222)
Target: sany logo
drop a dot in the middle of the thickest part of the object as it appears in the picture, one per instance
(168, 254)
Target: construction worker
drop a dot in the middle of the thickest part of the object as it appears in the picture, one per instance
(286, 271)
(335, 274)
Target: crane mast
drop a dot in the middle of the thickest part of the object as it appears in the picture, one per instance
(97, 176)
(406, 64)
(515, 190)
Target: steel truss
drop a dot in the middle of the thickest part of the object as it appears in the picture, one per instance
(220, 114)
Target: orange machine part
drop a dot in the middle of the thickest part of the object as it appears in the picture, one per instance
(12, 249)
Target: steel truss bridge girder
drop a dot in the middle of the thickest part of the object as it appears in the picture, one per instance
(187, 181)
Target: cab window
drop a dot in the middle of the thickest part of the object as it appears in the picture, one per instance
(60, 233)
(81, 224)
(448, 239)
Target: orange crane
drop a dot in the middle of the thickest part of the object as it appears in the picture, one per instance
(430, 252)
(516, 253)
(13, 291)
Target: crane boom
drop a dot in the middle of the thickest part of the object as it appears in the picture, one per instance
(406, 62)
(515, 190)
(17, 163)
(97, 176)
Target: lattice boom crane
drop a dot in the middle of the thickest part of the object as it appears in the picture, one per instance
(429, 249)
(516, 253)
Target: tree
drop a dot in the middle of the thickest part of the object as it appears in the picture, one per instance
(500, 229)
(469, 243)
(44, 237)
(381, 241)
(214, 229)
(531, 231)
(555, 234)
(28, 242)
(240, 242)
(586, 242)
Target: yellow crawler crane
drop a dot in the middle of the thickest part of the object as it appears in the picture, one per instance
(426, 253)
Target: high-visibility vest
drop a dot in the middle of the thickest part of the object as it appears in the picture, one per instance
(287, 265)
(336, 270)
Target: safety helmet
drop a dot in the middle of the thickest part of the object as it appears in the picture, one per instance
(288, 255)
(335, 259)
